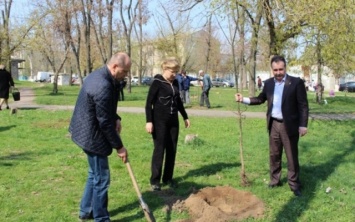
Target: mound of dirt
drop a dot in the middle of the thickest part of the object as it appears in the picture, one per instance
(223, 203)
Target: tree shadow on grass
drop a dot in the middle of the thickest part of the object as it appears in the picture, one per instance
(297, 205)
(168, 197)
(10, 159)
(4, 128)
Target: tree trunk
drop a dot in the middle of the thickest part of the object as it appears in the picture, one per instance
(86, 12)
(320, 88)
(253, 50)
(242, 73)
(208, 41)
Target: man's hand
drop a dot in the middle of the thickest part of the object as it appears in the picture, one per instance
(149, 127)
(238, 97)
(122, 153)
(302, 131)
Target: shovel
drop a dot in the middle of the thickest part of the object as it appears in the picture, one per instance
(147, 213)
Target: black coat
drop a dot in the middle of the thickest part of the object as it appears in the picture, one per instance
(294, 103)
(163, 100)
(5, 82)
(92, 126)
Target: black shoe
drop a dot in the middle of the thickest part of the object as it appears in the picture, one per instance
(7, 107)
(156, 187)
(297, 193)
(279, 184)
(171, 184)
(86, 217)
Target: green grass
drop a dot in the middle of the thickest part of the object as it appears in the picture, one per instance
(220, 98)
(43, 172)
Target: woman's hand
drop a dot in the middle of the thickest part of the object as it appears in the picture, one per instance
(149, 127)
(187, 123)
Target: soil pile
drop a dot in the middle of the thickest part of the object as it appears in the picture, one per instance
(223, 203)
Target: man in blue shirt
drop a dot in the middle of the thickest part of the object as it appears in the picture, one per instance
(178, 77)
(206, 86)
(186, 80)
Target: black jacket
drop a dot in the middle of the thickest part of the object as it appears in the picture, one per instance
(294, 103)
(163, 99)
(92, 126)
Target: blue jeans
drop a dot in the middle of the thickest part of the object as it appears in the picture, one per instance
(95, 197)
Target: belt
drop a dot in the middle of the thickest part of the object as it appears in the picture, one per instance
(277, 120)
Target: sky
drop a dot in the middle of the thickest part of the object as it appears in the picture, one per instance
(21, 9)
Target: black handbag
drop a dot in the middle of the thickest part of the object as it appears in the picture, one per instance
(16, 94)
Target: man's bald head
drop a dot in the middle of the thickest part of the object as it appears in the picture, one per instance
(119, 65)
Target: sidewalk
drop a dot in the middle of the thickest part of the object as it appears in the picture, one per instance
(27, 102)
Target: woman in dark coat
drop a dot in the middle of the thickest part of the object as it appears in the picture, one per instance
(5, 82)
(162, 107)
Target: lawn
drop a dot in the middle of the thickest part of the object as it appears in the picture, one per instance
(220, 98)
(43, 172)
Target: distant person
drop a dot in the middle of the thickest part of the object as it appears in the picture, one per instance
(260, 83)
(162, 107)
(122, 83)
(287, 119)
(178, 77)
(307, 85)
(206, 86)
(95, 128)
(6, 82)
(186, 81)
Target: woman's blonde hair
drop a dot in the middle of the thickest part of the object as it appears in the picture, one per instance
(170, 63)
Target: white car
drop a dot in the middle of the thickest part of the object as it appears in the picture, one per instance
(134, 80)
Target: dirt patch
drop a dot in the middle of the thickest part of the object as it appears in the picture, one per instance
(220, 204)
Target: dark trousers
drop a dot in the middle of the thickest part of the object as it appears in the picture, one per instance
(165, 137)
(278, 140)
(120, 95)
(182, 96)
(205, 99)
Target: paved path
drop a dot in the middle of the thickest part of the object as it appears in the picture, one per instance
(27, 101)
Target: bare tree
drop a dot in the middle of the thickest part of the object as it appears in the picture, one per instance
(127, 23)
(255, 24)
(104, 39)
(12, 39)
(54, 44)
(86, 8)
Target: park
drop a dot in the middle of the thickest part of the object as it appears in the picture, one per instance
(50, 47)
(43, 171)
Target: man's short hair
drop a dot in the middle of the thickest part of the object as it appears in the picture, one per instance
(278, 58)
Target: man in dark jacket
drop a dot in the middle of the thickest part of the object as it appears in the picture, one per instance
(95, 127)
(287, 119)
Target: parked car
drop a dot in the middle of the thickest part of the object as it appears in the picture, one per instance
(348, 87)
(228, 83)
(134, 80)
(218, 82)
(147, 80)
